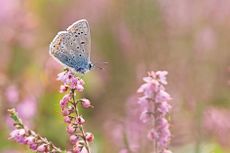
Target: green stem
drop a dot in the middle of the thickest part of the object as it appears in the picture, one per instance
(80, 126)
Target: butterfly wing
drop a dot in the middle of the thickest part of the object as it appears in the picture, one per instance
(72, 47)
(81, 40)
(60, 51)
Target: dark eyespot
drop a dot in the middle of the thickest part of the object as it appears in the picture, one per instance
(78, 33)
(81, 32)
(83, 42)
(77, 47)
(80, 55)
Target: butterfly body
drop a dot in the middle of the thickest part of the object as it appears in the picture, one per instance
(72, 47)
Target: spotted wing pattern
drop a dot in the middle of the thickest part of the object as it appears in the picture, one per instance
(72, 47)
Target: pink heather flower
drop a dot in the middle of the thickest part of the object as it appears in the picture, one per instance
(69, 104)
(86, 103)
(153, 134)
(80, 120)
(155, 99)
(12, 94)
(63, 88)
(166, 151)
(42, 148)
(30, 105)
(74, 139)
(162, 96)
(123, 151)
(30, 140)
(62, 76)
(146, 116)
(33, 146)
(70, 129)
(64, 101)
(164, 108)
(77, 149)
(65, 112)
(67, 119)
(143, 100)
(89, 136)
(17, 133)
(161, 75)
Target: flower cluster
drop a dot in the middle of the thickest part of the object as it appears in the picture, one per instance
(155, 109)
(23, 135)
(69, 106)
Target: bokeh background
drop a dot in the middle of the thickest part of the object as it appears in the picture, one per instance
(188, 38)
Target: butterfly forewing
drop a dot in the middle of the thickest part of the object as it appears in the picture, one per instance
(81, 37)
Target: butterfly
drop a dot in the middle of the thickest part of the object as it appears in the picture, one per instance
(72, 47)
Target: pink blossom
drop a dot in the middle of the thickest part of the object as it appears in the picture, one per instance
(146, 116)
(73, 139)
(64, 101)
(153, 134)
(156, 105)
(42, 148)
(12, 94)
(89, 136)
(30, 140)
(164, 108)
(66, 112)
(162, 96)
(123, 151)
(70, 129)
(80, 120)
(86, 103)
(161, 75)
(30, 105)
(63, 88)
(67, 119)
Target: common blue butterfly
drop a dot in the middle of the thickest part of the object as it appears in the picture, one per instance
(72, 47)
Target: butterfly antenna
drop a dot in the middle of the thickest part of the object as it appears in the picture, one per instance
(98, 67)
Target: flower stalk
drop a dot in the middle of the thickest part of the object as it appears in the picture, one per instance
(155, 104)
(70, 110)
(23, 135)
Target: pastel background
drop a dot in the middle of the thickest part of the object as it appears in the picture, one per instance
(189, 39)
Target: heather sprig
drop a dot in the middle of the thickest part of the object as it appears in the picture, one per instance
(154, 101)
(69, 106)
(23, 135)
(70, 110)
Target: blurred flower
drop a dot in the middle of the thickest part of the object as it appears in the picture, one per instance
(27, 108)
(216, 122)
(154, 93)
(12, 94)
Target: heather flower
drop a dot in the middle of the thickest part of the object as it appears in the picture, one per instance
(69, 107)
(12, 94)
(23, 135)
(89, 137)
(85, 103)
(156, 108)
